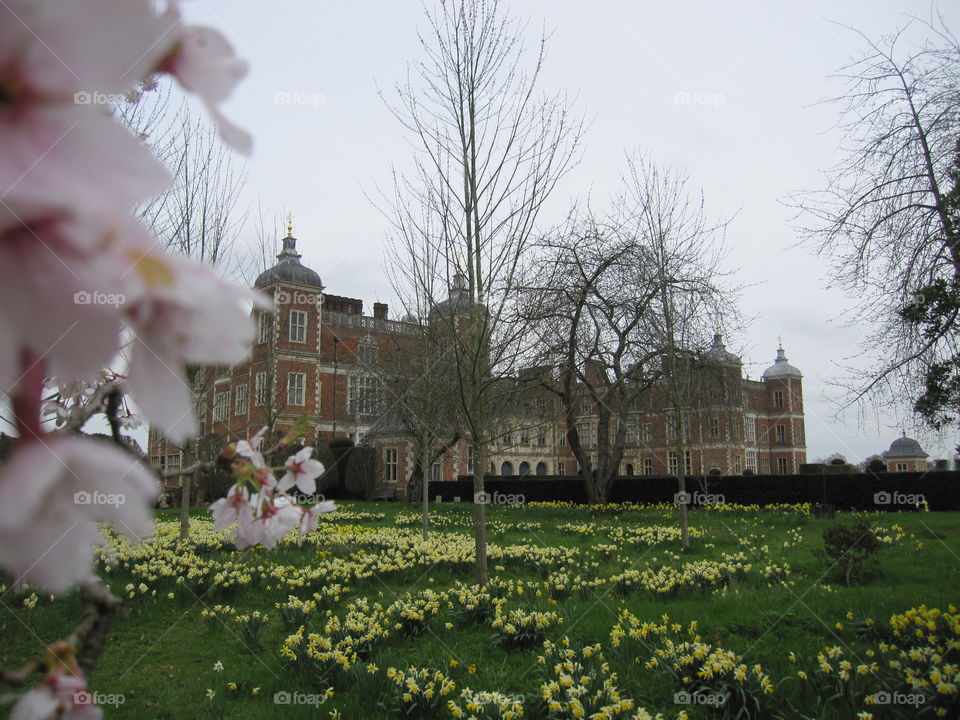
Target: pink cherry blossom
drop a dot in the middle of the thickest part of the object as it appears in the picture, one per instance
(204, 63)
(59, 147)
(60, 697)
(302, 472)
(227, 510)
(70, 273)
(251, 449)
(187, 315)
(53, 491)
(266, 524)
(308, 518)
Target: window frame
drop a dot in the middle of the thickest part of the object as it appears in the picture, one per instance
(291, 389)
(221, 406)
(390, 463)
(301, 335)
(240, 397)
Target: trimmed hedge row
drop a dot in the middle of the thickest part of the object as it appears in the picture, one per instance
(869, 491)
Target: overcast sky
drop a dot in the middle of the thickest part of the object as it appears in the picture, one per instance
(726, 91)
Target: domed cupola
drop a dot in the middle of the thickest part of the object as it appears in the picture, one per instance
(780, 367)
(458, 300)
(718, 352)
(905, 448)
(289, 269)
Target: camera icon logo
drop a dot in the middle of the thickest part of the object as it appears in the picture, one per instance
(681, 698)
(82, 97)
(481, 498)
(82, 497)
(281, 697)
(881, 698)
(82, 298)
(682, 498)
(882, 498)
(282, 97)
(82, 697)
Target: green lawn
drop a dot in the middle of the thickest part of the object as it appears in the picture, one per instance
(750, 582)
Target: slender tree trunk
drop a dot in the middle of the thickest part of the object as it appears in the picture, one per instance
(479, 515)
(424, 470)
(682, 488)
(684, 522)
(185, 487)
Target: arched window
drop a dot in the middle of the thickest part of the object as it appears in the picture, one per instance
(524, 468)
(541, 468)
(367, 350)
(506, 468)
(630, 470)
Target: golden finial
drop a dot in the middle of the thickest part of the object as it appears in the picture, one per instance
(290, 224)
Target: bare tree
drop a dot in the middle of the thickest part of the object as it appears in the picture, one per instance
(590, 312)
(885, 217)
(685, 255)
(197, 216)
(489, 152)
(621, 312)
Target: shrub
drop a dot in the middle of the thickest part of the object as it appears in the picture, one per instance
(877, 465)
(362, 472)
(851, 547)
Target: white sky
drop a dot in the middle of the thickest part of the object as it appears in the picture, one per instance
(624, 61)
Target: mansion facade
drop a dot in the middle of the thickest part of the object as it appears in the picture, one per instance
(317, 355)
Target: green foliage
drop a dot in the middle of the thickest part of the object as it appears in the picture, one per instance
(850, 547)
(363, 469)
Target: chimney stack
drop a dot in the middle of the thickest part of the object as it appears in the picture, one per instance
(380, 311)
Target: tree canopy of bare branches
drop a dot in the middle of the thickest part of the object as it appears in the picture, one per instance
(884, 217)
(489, 150)
(628, 299)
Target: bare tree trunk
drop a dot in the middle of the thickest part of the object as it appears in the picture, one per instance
(682, 490)
(424, 469)
(185, 487)
(479, 515)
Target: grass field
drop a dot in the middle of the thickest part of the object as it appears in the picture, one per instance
(590, 613)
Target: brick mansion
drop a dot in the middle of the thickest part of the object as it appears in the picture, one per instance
(317, 354)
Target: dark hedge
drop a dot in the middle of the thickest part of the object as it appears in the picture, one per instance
(854, 491)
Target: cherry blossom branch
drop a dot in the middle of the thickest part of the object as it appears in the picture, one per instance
(114, 401)
(202, 465)
(193, 469)
(100, 606)
(19, 677)
(81, 413)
